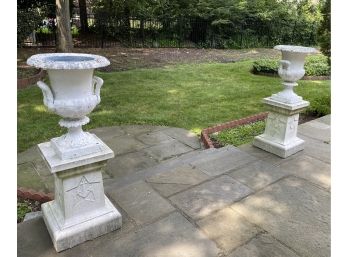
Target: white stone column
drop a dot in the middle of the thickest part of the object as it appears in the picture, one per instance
(80, 210)
(280, 136)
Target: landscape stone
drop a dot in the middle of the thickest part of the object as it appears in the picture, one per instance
(184, 136)
(228, 229)
(167, 150)
(224, 162)
(106, 133)
(257, 175)
(123, 165)
(124, 144)
(295, 212)
(32, 215)
(176, 180)
(28, 155)
(263, 245)
(140, 202)
(27, 177)
(309, 168)
(325, 119)
(210, 196)
(317, 148)
(154, 138)
(315, 129)
(140, 129)
(172, 236)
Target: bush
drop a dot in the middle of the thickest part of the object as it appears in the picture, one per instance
(320, 106)
(315, 65)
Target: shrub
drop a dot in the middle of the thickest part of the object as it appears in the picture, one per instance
(315, 65)
(320, 106)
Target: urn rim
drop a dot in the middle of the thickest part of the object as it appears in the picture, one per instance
(67, 61)
(296, 49)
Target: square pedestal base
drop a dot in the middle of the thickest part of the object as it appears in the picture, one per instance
(282, 150)
(103, 222)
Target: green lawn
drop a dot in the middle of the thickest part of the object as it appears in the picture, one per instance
(192, 96)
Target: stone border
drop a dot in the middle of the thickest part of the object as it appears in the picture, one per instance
(23, 83)
(260, 73)
(228, 125)
(33, 195)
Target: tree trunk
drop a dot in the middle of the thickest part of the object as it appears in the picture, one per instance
(83, 15)
(64, 37)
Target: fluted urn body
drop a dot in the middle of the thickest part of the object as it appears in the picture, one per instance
(73, 92)
(291, 69)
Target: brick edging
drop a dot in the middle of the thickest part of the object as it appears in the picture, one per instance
(231, 124)
(33, 195)
(23, 83)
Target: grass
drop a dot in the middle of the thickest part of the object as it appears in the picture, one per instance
(240, 135)
(187, 96)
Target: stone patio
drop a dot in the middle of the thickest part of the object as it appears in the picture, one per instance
(178, 199)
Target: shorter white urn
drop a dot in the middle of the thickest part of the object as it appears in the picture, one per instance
(72, 94)
(291, 69)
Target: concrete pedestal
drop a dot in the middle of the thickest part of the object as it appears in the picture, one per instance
(80, 211)
(280, 136)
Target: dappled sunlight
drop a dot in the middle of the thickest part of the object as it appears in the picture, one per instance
(172, 91)
(40, 108)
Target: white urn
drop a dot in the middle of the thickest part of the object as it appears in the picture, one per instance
(291, 69)
(73, 92)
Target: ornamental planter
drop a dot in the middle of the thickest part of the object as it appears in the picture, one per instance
(80, 210)
(280, 136)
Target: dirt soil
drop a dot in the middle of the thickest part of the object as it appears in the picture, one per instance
(122, 58)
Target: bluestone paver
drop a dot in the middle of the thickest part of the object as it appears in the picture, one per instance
(184, 136)
(295, 212)
(318, 149)
(172, 236)
(228, 229)
(315, 129)
(154, 138)
(106, 133)
(325, 119)
(27, 177)
(176, 180)
(140, 202)
(167, 150)
(123, 165)
(124, 144)
(210, 196)
(309, 168)
(258, 174)
(263, 245)
(226, 161)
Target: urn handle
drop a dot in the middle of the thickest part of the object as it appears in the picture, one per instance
(47, 94)
(284, 64)
(97, 84)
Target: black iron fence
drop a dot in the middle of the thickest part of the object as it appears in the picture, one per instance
(191, 33)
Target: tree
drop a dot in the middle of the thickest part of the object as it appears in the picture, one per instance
(324, 31)
(64, 37)
(83, 15)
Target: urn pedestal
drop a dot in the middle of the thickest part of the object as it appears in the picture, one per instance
(280, 136)
(80, 210)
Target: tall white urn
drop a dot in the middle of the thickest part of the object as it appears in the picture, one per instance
(80, 211)
(72, 94)
(291, 69)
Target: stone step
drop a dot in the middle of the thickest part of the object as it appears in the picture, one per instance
(224, 159)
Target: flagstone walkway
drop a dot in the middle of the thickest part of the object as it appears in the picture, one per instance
(179, 200)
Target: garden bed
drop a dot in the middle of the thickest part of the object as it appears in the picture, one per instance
(242, 131)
